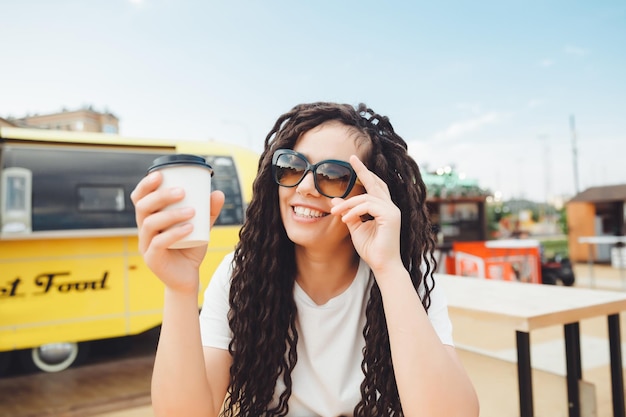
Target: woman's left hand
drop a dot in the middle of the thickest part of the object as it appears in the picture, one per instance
(378, 240)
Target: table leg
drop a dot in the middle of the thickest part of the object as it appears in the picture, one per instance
(617, 379)
(574, 367)
(524, 375)
(622, 261)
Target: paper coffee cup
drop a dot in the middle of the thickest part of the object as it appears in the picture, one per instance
(193, 174)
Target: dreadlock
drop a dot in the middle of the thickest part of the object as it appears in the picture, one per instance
(262, 313)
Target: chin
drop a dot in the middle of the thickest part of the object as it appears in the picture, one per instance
(301, 237)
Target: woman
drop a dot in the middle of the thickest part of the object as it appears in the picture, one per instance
(328, 304)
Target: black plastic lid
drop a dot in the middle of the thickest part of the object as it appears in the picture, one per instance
(180, 159)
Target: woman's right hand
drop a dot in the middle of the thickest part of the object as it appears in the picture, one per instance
(177, 268)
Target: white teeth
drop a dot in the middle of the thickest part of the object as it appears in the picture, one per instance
(307, 212)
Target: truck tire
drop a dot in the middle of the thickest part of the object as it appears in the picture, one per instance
(53, 357)
(566, 274)
(568, 280)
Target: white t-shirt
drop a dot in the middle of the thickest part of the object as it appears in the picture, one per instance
(327, 376)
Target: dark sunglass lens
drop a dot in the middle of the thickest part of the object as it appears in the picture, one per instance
(333, 179)
(289, 169)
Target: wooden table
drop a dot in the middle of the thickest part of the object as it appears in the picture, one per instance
(525, 307)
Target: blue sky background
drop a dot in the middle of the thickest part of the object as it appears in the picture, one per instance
(485, 86)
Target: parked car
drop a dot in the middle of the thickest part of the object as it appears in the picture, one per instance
(557, 269)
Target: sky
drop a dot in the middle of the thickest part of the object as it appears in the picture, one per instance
(488, 87)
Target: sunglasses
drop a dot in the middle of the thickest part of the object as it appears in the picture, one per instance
(332, 178)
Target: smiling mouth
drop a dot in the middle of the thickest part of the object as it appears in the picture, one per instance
(308, 213)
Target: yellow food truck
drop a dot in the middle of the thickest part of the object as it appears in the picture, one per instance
(70, 270)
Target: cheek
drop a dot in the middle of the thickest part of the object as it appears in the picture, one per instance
(356, 190)
(283, 195)
(338, 227)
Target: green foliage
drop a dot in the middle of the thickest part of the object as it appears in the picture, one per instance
(553, 247)
(535, 215)
(562, 220)
(494, 214)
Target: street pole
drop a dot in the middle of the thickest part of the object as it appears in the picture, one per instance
(545, 210)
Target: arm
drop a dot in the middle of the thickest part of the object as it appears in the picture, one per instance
(430, 378)
(181, 382)
(187, 379)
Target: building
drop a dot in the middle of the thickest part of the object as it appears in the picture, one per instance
(85, 119)
(597, 211)
(6, 123)
(457, 206)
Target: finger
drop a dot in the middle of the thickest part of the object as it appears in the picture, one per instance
(370, 181)
(360, 213)
(217, 203)
(147, 184)
(145, 187)
(156, 201)
(166, 219)
(353, 208)
(169, 226)
(164, 240)
(166, 222)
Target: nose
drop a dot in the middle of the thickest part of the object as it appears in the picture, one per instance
(307, 185)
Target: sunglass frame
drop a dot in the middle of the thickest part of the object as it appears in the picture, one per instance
(313, 168)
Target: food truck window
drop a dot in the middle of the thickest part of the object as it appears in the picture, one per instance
(80, 187)
(100, 198)
(89, 188)
(15, 210)
(226, 179)
(16, 193)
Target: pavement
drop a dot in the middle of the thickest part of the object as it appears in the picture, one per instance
(489, 357)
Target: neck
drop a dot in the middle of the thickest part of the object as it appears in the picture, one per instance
(324, 275)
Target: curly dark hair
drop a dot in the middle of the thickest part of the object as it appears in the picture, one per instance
(262, 308)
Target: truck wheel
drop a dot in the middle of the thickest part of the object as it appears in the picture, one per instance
(53, 357)
(567, 273)
(568, 280)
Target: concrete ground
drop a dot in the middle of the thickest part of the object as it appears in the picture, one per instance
(489, 356)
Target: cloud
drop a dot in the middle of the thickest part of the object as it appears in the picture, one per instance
(575, 50)
(462, 127)
(535, 102)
